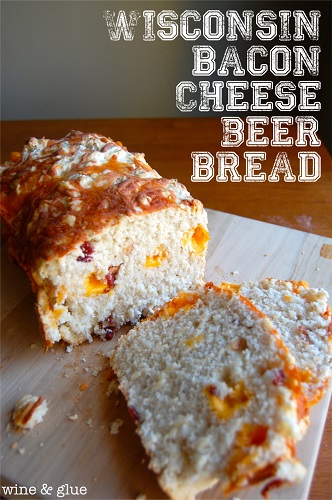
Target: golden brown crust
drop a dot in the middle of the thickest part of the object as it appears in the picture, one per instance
(58, 192)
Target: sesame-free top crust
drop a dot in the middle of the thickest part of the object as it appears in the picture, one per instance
(58, 192)
(102, 236)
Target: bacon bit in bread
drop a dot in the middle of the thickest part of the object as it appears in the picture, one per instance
(133, 413)
(87, 250)
(111, 276)
(279, 378)
(303, 333)
(107, 327)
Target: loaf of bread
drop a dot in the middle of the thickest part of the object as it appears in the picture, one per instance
(302, 317)
(214, 392)
(103, 237)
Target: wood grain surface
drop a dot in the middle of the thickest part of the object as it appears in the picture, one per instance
(167, 144)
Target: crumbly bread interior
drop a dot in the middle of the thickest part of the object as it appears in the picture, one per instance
(214, 393)
(302, 317)
(121, 274)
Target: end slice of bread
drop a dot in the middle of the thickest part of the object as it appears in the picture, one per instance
(302, 317)
(214, 392)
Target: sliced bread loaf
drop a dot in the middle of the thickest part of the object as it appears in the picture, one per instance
(302, 317)
(103, 237)
(214, 393)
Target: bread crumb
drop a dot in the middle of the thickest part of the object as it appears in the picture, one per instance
(21, 451)
(326, 251)
(141, 496)
(89, 422)
(29, 410)
(83, 386)
(14, 445)
(114, 426)
(69, 348)
(73, 417)
(112, 388)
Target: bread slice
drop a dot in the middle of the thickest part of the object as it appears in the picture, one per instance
(214, 393)
(103, 237)
(302, 317)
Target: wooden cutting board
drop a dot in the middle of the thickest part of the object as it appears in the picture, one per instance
(74, 445)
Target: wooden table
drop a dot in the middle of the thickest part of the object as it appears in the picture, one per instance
(167, 144)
